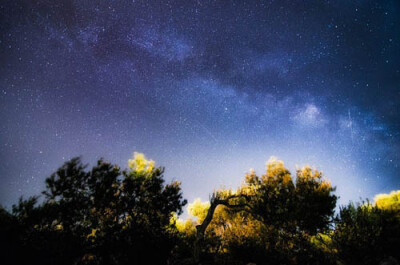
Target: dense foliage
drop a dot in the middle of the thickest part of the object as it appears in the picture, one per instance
(271, 219)
(101, 216)
(367, 234)
(108, 216)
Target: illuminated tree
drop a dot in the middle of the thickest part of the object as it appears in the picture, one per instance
(271, 217)
(369, 233)
(224, 198)
(306, 204)
(290, 211)
(389, 201)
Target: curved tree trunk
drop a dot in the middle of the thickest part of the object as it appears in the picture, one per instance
(201, 229)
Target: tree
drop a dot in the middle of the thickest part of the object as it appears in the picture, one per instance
(305, 205)
(227, 199)
(269, 218)
(108, 216)
(368, 233)
(389, 201)
(101, 216)
(291, 211)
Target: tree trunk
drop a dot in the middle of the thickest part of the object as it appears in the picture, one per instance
(201, 229)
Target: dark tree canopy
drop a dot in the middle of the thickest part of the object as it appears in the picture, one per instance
(304, 204)
(367, 234)
(100, 216)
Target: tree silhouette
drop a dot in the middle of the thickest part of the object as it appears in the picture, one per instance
(367, 234)
(101, 216)
(106, 215)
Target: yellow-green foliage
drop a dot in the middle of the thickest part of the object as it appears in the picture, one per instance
(275, 168)
(187, 227)
(389, 201)
(92, 235)
(323, 242)
(314, 178)
(140, 164)
(274, 206)
(198, 209)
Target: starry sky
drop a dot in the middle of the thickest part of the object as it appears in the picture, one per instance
(208, 89)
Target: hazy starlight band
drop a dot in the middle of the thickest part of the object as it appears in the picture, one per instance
(201, 85)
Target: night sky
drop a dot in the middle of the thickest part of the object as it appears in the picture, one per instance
(208, 89)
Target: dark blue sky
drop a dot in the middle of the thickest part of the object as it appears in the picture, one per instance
(208, 89)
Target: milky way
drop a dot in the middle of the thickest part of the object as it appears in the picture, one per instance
(207, 89)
